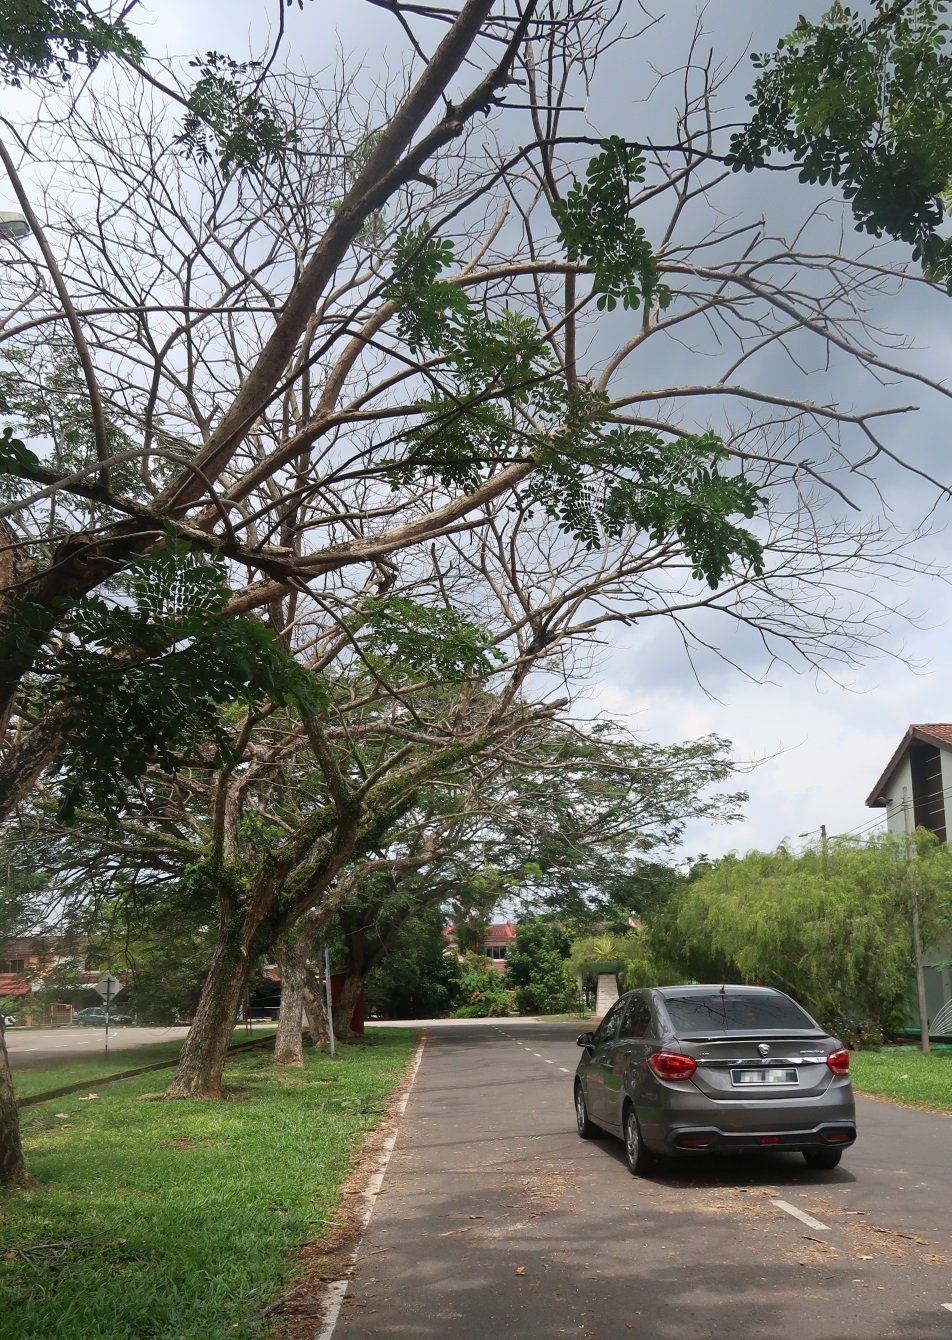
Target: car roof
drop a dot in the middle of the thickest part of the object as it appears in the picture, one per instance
(697, 989)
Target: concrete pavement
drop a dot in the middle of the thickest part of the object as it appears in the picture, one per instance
(494, 1219)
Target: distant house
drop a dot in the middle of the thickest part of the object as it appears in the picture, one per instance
(495, 942)
(915, 790)
(27, 963)
(499, 937)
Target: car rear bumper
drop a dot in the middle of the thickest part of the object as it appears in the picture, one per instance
(705, 1139)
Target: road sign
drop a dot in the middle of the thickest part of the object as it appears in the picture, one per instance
(108, 987)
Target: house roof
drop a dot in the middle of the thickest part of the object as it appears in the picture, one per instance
(501, 933)
(938, 734)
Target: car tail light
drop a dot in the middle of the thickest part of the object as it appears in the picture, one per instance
(839, 1062)
(672, 1065)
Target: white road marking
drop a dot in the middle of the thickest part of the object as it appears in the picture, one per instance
(337, 1290)
(537, 1055)
(564, 1071)
(547, 1061)
(804, 1218)
(947, 1306)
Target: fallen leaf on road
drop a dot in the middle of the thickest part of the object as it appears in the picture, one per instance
(450, 1232)
(520, 1270)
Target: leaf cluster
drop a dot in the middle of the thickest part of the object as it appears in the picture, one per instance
(143, 680)
(595, 226)
(629, 478)
(406, 638)
(227, 112)
(40, 38)
(864, 107)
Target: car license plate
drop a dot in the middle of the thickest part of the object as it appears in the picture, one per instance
(768, 1075)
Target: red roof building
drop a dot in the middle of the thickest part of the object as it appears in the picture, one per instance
(499, 937)
(915, 788)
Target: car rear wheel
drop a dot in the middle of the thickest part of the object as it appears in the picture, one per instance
(822, 1158)
(586, 1128)
(640, 1160)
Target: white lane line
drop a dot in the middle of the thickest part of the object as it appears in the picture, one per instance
(547, 1061)
(537, 1055)
(564, 1071)
(337, 1290)
(804, 1218)
(947, 1306)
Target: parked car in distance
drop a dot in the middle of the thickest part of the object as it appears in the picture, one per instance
(682, 1070)
(96, 1015)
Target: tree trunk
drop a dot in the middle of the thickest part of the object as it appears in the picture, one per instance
(345, 1004)
(199, 1073)
(13, 1171)
(315, 1012)
(292, 963)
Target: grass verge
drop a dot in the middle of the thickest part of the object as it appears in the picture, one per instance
(905, 1077)
(31, 1079)
(177, 1220)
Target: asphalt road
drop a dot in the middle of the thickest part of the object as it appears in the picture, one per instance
(495, 1220)
(39, 1046)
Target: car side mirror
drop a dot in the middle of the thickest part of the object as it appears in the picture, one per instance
(585, 1040)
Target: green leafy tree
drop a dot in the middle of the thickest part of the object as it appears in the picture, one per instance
(832, 928)
(483, 992)
(420, 977)
(44, 39)
(860, 99)
(536, 965)
(631, 949)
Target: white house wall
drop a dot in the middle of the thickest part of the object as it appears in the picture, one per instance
(902, 777)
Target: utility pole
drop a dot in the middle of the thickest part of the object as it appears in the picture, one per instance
(824, 848)
(907, 816)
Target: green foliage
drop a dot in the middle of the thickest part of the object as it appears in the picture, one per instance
(44, 37)
(631, 949)
(484, 995)
(536, 966)
(226, 110)
(427, 307)
(420, 977)
(595, 226)
(144, 680)
(637, 480)
(864, 105)
(15, 456)
(416, 639)
(596, 480)
(832, 928)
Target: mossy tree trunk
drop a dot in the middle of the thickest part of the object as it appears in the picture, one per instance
(13, 1170)
(292, 955)
(202, 1062)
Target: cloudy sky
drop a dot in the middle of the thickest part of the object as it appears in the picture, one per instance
(820, 741)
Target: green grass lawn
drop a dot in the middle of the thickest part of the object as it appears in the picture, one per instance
(177, 1220)
(32, 1079)
(906, 1077)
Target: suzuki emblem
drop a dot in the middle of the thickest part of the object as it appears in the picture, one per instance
(763, 1048)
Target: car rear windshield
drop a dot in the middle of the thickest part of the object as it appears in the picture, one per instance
(721, 1012)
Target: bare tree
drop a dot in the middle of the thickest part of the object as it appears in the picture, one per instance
(418, 381)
